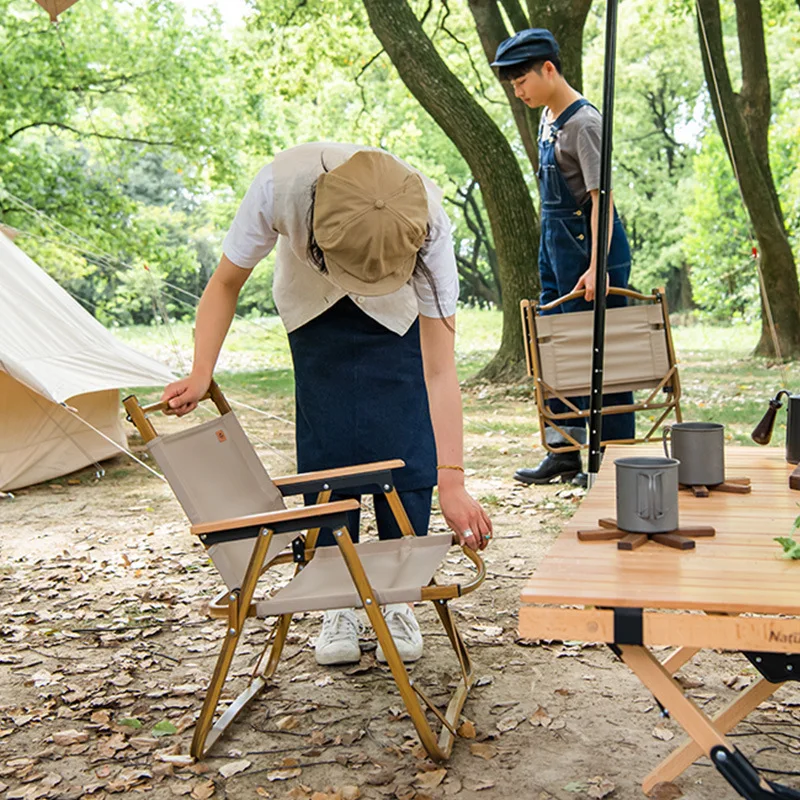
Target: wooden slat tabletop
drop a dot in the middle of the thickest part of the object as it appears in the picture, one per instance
(740, 570)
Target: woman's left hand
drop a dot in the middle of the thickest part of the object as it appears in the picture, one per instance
(465, 516)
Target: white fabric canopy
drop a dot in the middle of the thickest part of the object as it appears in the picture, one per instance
(53, 351)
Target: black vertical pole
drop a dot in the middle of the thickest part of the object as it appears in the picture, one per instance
(604, 209)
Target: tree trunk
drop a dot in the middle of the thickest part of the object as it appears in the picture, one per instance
(743, 122)
(489, 156)
(564, 19)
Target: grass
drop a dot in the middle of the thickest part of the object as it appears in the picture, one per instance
(721, 380)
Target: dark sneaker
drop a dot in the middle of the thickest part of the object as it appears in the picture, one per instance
(556, 466)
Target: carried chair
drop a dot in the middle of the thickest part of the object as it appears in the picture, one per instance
(639, 355)
(239, 514)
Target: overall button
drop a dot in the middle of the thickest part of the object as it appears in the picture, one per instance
(581, 236)
(578, 213)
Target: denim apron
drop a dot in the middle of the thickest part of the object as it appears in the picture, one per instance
(360, 396)
(565, 248)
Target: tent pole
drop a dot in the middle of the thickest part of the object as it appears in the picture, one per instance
(604, 208)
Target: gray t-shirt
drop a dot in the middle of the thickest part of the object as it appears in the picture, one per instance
(578, 150)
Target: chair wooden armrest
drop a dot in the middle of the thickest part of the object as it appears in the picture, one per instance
(376, 472)
(267, 520)
(451, 590)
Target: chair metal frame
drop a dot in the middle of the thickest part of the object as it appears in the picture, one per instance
(236, 605)
(669, 385)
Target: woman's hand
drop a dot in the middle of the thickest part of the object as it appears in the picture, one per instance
(184, 395)
(464, 515)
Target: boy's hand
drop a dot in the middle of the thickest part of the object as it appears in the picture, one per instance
(587, 282)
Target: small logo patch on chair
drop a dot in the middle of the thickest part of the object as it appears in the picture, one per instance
(221, 435)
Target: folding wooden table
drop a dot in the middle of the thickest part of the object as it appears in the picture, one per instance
(732, 592)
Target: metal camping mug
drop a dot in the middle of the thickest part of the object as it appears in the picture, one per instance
(647, 494)
(700, 447)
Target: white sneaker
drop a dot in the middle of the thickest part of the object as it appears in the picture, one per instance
(337, 642)
(405, 631)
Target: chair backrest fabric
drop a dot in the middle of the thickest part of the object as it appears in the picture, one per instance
(636, 352)
(215, 472)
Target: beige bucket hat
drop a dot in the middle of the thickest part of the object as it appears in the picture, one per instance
(370, 220)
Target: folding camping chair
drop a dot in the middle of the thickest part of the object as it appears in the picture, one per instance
(639, 354)
(239, 514)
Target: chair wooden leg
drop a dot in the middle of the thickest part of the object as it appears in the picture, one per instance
(395, 663)
(725, 720)
(206, 732)
(460, 693)
(399, 512)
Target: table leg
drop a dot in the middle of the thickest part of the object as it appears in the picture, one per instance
(677, 658)
(725, 720)
(655, 677)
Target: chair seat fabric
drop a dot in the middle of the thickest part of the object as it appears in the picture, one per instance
(397, 570)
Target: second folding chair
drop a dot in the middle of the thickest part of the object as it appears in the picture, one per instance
(639, 355)
(239, 514)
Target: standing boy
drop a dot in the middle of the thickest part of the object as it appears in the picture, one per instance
(569, 187)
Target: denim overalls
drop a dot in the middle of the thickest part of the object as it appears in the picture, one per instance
(565, 247)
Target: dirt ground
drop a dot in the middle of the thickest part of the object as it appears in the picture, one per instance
(107, 650)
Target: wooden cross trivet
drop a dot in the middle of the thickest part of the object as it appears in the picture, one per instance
(678, 538)
(732, 485)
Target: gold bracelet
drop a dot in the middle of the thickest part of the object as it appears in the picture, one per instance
(450, 466)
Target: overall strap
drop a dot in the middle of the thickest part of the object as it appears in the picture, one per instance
(568, 113)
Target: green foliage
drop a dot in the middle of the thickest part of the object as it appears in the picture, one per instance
(136, 127)
(717, 242)
(790, 545)
(164, 728)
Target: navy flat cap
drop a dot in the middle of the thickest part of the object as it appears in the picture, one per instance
(533, 43)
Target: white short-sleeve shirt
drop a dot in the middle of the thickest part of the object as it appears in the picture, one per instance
(253, 236)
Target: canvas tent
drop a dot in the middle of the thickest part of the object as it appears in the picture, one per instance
(53, 351)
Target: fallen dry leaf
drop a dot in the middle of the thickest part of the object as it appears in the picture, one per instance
(204, 790)
(689, 681)
(466, 729)
(430, 780)
(381, 777)
(665, 734)
(739, 682)
(284, 774)
(665, 791)
(178, 759)
(540, 717)
(485, 751)
(511, 721)
(287, 723)
(482, 785)
(599, 787)
(65, 738)
(233, 768)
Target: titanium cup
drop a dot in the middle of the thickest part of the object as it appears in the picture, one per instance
(647, 494)
(700, 447)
